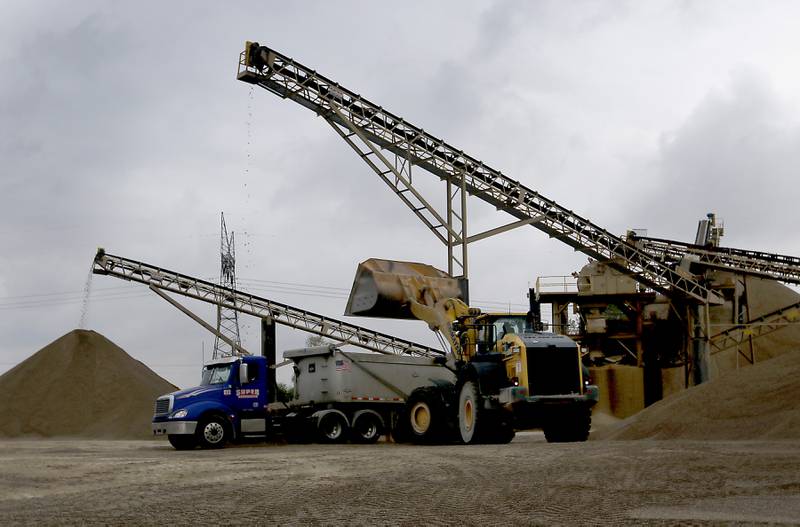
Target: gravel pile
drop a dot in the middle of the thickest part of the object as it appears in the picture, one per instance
(82, 385)
(755, 402)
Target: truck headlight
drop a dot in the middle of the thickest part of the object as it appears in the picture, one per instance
(179, 414)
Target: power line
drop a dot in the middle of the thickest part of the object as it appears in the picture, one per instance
(65, 302)
(65, 292)
(298, 284)
(130, 292)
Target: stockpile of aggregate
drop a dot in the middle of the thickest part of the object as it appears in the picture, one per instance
(755, 402)
(82, 384)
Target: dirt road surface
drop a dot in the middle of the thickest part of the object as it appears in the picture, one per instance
(527, 482)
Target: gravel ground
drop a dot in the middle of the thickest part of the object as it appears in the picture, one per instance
(527, 482)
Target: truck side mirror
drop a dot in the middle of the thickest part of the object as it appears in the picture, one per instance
(243, 373)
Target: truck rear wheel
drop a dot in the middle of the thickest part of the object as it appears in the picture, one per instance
(470, 415)
(568, 425)
(400, 428)
(367, 427)
(212, 432)
(425, 416)
(182, 442)
(332, 428)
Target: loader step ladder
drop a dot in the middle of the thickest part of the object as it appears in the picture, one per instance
(367, 127)
(337, 330)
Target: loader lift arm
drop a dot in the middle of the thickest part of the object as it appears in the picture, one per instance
(359, 121)
(337, 330)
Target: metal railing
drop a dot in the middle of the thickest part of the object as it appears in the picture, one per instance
(556, 284)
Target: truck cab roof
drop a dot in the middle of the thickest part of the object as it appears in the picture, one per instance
(221, 360)
(309, 352)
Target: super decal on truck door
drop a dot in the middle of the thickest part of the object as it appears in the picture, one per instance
(248, 393)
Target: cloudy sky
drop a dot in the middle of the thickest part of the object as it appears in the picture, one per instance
(122, 125)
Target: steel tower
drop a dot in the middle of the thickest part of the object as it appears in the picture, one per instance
(227, 315)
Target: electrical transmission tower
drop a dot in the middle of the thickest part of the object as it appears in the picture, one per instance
(227, 316)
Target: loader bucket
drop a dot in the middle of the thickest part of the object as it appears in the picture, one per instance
(386, 288)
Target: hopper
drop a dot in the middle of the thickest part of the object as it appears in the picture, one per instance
(387, 288)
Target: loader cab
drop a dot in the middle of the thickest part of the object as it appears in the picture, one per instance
(492, 327)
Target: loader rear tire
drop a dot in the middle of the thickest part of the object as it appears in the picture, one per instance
(425, 416)
(498, 428)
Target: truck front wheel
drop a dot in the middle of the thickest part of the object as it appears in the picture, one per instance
(182, 442)
(212, 432)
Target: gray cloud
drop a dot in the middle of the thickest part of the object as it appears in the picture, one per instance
(737, 154)
(123, 125)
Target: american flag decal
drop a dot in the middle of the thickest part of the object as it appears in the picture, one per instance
(343, 365)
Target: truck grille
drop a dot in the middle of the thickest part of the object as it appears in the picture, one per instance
(553, 370)
(162, 405)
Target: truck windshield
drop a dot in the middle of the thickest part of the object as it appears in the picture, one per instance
(216, 374)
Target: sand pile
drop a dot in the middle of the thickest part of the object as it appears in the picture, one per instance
(756, 402)
(82, 384)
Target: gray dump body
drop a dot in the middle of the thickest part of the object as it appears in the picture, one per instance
(326, 374)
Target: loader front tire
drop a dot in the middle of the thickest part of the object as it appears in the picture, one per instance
(569, 425)
(470, 414)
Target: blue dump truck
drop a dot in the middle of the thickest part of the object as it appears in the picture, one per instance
(338, 396)
(344, 396)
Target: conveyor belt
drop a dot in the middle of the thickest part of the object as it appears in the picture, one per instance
(331, 328)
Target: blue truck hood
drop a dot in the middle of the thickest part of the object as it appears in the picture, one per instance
(197, 391)
(196, 401)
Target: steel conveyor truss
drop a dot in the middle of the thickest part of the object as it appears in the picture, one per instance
(391, 146)
(775, 266)
(763, 325)
(337, 330)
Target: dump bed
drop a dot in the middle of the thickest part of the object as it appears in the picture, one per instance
(329, 375)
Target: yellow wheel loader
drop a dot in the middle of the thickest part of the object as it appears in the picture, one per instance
(507, 375)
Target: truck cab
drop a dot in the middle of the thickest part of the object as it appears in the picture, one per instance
(230, 403)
